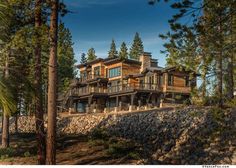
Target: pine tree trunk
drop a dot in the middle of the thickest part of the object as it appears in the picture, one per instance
(219, 67)
(204, 72)
(5, 126)
(16, 123)
(230, 65)
(38, 96)
(5, 131)
(220, 79)
(52, 86)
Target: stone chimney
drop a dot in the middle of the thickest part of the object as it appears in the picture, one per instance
(145, 59)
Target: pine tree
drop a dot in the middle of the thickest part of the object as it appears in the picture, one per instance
(66, 59)
(91, 54)
(136, 48)
(123, 54)
(113, 52)
(39, 120)
(83, 58)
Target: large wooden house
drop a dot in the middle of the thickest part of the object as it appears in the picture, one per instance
(114, 84)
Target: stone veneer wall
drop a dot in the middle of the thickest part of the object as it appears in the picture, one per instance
(170, 135)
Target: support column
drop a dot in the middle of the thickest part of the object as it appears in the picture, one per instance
(131, 102)
(117, 103)
(88, 108)
(76, 106)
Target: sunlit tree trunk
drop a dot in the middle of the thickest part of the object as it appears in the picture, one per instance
(52, 86)
(38, 87)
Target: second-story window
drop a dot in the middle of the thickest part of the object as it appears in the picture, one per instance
(114, 72)
(83, 75)
(170, 80)
(160, 81)
(96, 71)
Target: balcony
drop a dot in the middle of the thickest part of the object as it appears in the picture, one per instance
(177, 89)
(88, 90)
(90, 77)
(132, 87)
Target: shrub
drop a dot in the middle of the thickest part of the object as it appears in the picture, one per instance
(231, 103)
(217, 113)
(6, 153)
(27, 154)
(99, 133)
(121, 148)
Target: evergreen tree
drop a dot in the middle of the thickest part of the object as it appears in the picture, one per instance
(123, 54)
(66, 59)
(136, 48)
(113, 52)
(91, 54)
(83, 58)
(208, 42)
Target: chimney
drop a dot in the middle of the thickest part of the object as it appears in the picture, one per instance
(145, 59)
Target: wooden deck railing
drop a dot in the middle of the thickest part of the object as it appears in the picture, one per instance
(178, 89)
(127, 88)
(90, 77)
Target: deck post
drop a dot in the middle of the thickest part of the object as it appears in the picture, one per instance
(131, 102)
(89, 104)
(76, 106)
(117, 103)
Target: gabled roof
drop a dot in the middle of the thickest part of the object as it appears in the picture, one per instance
(172, 68)
(116, 60)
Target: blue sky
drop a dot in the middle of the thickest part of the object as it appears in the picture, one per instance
(94, 23)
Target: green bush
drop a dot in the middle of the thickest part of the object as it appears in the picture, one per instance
(217, 113)
(6, 153)
(27, 154)
(99, 133)
(121, 148)
(231, 103)
(134, 155)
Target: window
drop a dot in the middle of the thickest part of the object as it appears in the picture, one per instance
(170, 80)
(160, 79)
(83, 75)
(114, 72)
(187, 81)
(96, 71)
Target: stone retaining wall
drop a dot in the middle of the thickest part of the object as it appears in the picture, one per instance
(186, 136)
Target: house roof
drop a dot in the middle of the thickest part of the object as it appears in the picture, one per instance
(116, 60)
(90, 62)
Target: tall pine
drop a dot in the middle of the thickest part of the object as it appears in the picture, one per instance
(91, 54)
(83, 58)
(136, 48)
(113, 52)
(123, 54)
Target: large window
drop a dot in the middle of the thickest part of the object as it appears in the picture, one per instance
(83, 75)
(114, 72)
(170, 80)
(96, 71)
(160, 80)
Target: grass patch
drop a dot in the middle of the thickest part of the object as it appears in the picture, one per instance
(120, 148)
(99, 133)
(7, 153)
(114, 146)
